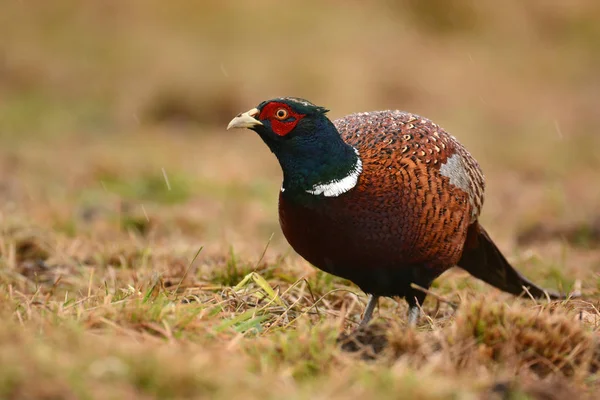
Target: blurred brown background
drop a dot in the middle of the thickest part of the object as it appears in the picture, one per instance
(110, 64)
(97, 97)
(116, 170)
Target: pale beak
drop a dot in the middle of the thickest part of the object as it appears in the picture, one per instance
(245, 120)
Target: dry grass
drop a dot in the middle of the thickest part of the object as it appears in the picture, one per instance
(117, 284)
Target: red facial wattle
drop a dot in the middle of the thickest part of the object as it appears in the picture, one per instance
(280, 126)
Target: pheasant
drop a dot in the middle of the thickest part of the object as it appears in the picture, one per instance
(385, 199)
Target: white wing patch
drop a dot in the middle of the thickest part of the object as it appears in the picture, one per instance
(337, 187)
(467, 178)
(456, 172)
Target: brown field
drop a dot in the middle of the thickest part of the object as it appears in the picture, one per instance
(130, 218)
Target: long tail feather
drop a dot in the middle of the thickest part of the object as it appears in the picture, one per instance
(482, 259)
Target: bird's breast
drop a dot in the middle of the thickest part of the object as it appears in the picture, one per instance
(375, 225)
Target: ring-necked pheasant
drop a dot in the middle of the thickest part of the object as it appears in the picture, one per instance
(384, 199)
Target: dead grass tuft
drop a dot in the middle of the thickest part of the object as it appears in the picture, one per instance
(499, 333)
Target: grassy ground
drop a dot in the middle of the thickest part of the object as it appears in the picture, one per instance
(140, 253)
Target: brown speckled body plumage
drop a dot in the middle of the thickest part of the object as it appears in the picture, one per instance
(404, 212)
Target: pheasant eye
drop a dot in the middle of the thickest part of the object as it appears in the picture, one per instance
(281, 114)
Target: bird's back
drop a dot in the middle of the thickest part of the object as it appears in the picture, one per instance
(404, 141)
